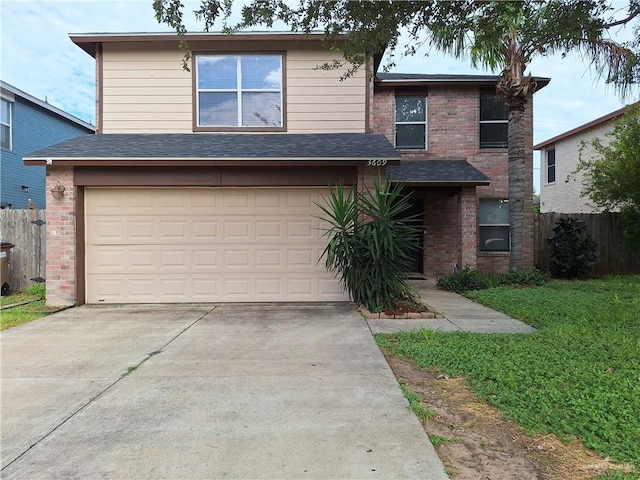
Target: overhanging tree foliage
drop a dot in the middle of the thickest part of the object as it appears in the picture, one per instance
(612, 173)
(502, 35)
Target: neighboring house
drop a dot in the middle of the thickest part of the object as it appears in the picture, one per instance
(560, 187)
(28, 124)
(203, 185)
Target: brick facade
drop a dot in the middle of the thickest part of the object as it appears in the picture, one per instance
(451, 214)
(61, 239)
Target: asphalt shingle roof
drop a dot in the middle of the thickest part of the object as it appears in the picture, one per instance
(222, 146)
(444, 78)
(437, 172)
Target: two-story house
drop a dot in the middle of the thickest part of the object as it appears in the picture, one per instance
(560, 185)
(203, 185)
(27, 124)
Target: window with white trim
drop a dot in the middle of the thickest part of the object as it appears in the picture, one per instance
(411, 123)
(239, 90)
(494, 225)
(551, 165)
(6, 123)
(494, 120)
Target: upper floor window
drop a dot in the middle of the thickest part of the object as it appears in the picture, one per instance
(239, 91)
(411, 123)
(5, 124)
(551, 165)
(494, 225)
(494, 119)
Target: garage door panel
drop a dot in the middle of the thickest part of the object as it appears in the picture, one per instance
(174, 231)
(239, 229)
(205, 245)
(204, 230)
(270, 229)
(268, 258)
(193, 287)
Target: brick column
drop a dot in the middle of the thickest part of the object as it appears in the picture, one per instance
(468, 227)
(61, 239)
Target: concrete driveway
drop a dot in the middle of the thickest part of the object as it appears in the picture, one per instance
(186, 392)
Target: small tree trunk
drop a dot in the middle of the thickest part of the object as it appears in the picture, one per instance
(517, 177)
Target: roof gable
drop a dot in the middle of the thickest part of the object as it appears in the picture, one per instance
(582, 128)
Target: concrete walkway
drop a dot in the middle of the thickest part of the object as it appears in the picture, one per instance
(460, 314)
(197, 392)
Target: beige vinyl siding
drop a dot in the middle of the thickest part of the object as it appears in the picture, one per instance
(145, 89)
(317, 101)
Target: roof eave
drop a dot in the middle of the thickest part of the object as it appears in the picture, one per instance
(541, 82)
(46, 105)
(437, 183)
(204, 161)
(89, 41)
(593, 123)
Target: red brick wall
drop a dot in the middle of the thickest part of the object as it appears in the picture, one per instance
(441, 215)
(61, 238)
(453, 133)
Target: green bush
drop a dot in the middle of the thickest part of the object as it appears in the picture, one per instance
(530, 278)
(572, 252)
(36, 290)
(465, 280)
(370, 238)
(469, 279)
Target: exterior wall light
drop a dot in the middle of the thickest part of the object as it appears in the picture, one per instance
(58, 191)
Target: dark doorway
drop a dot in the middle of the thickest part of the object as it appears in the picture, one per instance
(416, 210)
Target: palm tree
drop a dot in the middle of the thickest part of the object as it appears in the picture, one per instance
(507, 36)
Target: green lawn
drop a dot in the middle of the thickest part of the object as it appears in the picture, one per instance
(577, 377)
(33, 307)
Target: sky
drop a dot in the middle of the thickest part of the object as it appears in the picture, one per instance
(38, 57)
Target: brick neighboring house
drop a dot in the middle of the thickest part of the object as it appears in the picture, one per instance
(28, 124)
(202, 185)
(561, 189)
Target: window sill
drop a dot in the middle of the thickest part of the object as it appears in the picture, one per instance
(482, 253)
(239, 129)
(493, 149)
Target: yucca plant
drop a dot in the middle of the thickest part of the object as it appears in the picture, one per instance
(370, 238)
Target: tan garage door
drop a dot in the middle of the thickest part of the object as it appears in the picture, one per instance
(149, 245)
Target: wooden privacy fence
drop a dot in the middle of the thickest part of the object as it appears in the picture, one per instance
(25, 229)
(614, 256)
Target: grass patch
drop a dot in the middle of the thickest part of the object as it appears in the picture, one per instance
(415, 405)
(577, 377)
(31, 306)
(438, 440)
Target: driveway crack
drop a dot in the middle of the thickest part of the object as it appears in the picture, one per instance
(128, 372)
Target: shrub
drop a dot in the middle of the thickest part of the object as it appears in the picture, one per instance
(370, 238)
(469, 279)
(572, 252)
(36, 290)
(532, 277)
(465, 280)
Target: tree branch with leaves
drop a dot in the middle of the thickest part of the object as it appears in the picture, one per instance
(612, 172)
(504, 36)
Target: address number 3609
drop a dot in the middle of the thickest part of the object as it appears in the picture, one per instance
(376, 163)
